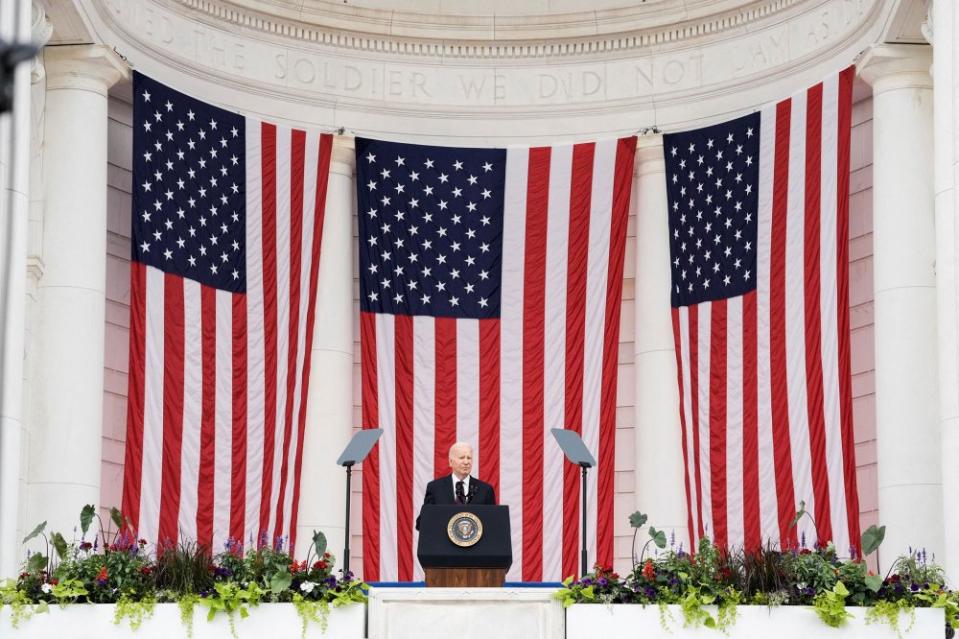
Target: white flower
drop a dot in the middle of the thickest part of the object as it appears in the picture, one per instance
(46, 588)
(307, 586)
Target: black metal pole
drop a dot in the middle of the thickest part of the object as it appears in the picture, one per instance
(346, 551)
(583, 552)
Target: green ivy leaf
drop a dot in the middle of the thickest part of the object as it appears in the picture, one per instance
(637, 519)
(59, 544)
(658, 537)
(872, 538)
(873, 582)
(319, 541)
(840, 589)
(117, 517)
(86, 516)
(799, 514)
(280, 581)
(36, 531)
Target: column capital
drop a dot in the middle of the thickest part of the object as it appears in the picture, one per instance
(896, 66)
(649, 155)
(344, 155)
(89, 67)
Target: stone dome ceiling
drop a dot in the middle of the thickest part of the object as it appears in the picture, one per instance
(505, 20)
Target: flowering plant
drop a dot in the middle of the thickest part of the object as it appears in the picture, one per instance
(724, 578)
(117, 567)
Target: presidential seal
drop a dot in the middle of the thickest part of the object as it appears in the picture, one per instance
(464, 529)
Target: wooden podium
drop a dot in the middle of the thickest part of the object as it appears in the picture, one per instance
(465, 577)
(480, 564)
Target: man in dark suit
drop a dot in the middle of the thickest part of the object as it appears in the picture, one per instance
(458, 487)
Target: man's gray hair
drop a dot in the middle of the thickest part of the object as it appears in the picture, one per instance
(460, 445)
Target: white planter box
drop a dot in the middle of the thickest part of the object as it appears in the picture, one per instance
(591, 621)
(271, 621)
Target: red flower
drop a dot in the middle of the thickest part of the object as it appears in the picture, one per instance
(805, 551)
(102, 576)
(649, 572)
(298, 566)
(145, 570)
(327, 555)
(320, 565)
(54, 581)
(142, 542)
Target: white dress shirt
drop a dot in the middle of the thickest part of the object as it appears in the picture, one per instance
(466, 485)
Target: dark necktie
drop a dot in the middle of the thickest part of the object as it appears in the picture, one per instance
(460, 497)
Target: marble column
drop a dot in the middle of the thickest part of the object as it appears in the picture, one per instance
(904, 257)
(659, 487)
(939, 32)
(15, 22)
(329, 408)
(67, 368)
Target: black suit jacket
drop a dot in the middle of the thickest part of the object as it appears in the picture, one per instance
(440, 491)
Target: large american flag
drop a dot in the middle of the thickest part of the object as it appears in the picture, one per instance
(758, 219)
(227, 219)
(490, 286)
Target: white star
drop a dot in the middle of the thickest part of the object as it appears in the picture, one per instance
(414, 176)
(484, 247)
(425, 299)
(236, 274)
(428, 163)
(485, 220)
(457, 192)
(444, 178)
(145, 247)
(373, 296)
(191, 260)
(146, 96)
(385, 173)
(471, 179)
(234, 132)
(400, 161)
(440, 286)
(487, 167)
(469, 288)
(486, 194)
(370, 158)
(483, 302)
(471, 207)
(458, 165)
(484, 275)
(398, 298)
(454, 301)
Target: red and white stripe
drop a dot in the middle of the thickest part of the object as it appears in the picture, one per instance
(217, 380)
(764, 378)
(549, 361)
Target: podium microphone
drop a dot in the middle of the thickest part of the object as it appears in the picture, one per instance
(469, 497)
(459, 493)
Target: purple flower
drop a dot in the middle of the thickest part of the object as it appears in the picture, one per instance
(602, 582)
(222, 572)
(802, 540)
(330, 582)
(914, 587)
(650, 592)
(586, 581)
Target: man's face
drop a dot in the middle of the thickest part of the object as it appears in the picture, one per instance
(461, 460)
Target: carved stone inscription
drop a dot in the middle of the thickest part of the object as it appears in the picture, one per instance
(342, 73)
